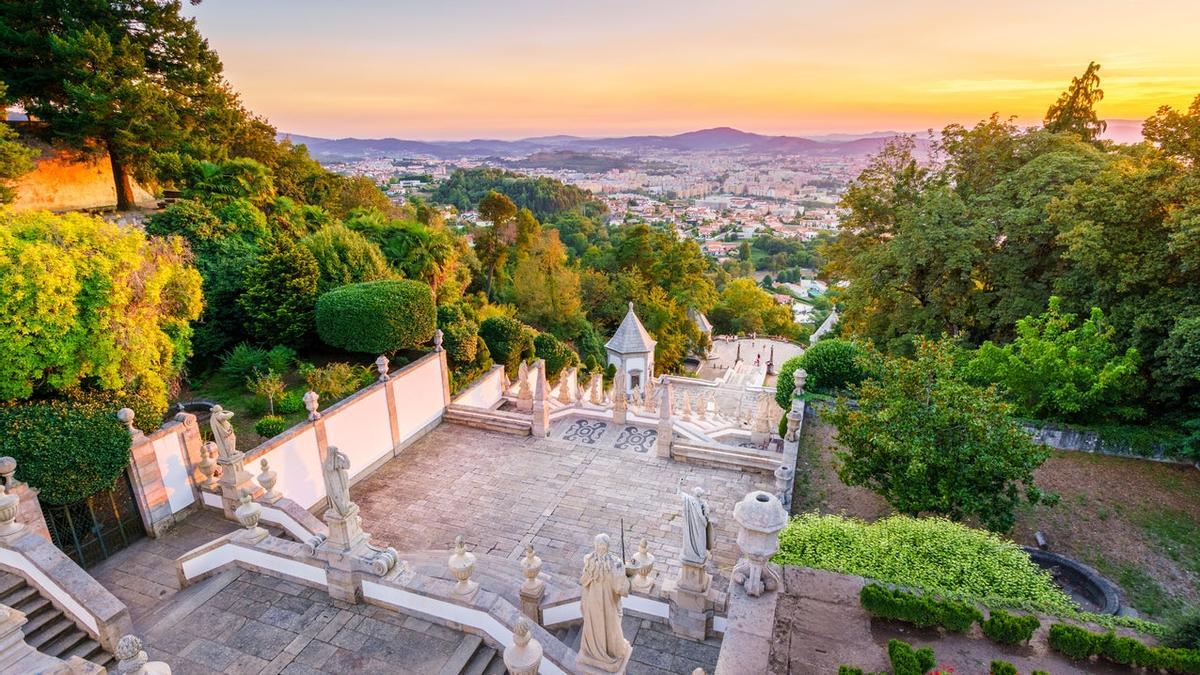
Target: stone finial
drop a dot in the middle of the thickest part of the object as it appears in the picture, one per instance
(531, 566)
(643, 565)
(311, 401)
(381, 367)
(541, 390)
(760, 517)
(597, 387)
(208, 467)
(524, 655)
(132, 659)
(524, 392)
(8, 513)
(267, 480)
(462, 564)
(686, 406)
(248, 514)
(783, 484)
(437, 340)
(8, 466)
(125, 416)
(799, 378)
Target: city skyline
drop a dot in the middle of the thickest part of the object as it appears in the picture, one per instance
(433, 72)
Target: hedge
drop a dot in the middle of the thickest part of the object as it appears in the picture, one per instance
(1002, 668)
(908, 661)
(556, 353)
(508, 341)
(1079, 644)
(270, 426)
(919, 610)
(832, 365)
(69, 450)
(377, 317)
(932, 554)
(1007, 629)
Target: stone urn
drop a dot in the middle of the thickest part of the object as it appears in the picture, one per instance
(267, 480)
(207, 466)
(248, 514)
(643, 564)
(531, 566)
(8, 466)
(524, 655)
(760, 517)
(8, 513)
(462, 564)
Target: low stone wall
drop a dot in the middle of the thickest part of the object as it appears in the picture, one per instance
(485, 392)
(1086, 440)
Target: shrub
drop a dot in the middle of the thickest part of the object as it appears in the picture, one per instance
(1003, 668)
(268, 385)
(509, 341)
(280, 358)
(849, 670)
(345, 257)
(243, 360)
(334, 381)
(67, 449)
(832, 365)
(785, 384)
(291, 402)
(270, 426)
(281, 287)
(932, 554)
(922, 611)
(1007, 629)
(556, 353)
(1184, 630)
(908, 661)
(376, 317)
(1072, 642)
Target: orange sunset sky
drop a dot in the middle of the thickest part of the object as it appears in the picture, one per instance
(471, 69)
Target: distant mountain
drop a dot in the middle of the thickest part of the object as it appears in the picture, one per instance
(706, 140)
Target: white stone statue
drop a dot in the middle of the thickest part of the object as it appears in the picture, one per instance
(337, 482)
(602, 645)
(697, 526)
(223, 434)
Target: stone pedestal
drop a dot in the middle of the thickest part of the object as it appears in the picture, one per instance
(345, 532)
(524, 655)
(666, 427)
(235, 479)
(534, 588)
(586, 669)
(690, 602)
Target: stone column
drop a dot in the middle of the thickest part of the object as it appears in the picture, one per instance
(784, 476)
(541, 402)
(666, 430)
(620, 404)
(761, 429)
(760, 517)
(235, 480)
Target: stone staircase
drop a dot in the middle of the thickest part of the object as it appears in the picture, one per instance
(474, 657)
(47, 629)
(569, 635)
(490, 420)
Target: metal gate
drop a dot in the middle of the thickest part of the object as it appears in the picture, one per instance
(94, 529)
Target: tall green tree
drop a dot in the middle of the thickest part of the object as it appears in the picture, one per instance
(16, 159)
(1075, 109)
(280, 294)
(492, 243)
(929, 442)
(133, 79)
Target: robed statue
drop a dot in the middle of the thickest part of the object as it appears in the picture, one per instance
(698, 537)
(602, 644)
(222, 430)
(337, 482)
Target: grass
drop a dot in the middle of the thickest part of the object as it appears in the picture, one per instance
(246, 407)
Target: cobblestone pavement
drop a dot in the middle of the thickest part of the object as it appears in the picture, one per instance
(502, 492)
(259, 624)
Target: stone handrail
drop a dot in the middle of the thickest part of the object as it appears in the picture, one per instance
(727, 456)
(73, 591)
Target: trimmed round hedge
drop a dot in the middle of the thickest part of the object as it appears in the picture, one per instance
(377, 317)
(508, 341)
(558, 354)
(69, 450)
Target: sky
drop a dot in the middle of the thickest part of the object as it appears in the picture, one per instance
(460, 69)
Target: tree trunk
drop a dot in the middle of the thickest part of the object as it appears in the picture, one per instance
(122, 181)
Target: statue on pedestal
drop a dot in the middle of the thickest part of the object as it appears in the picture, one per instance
(223, 433)
(698, 537)
(337, 483)
(602, 646)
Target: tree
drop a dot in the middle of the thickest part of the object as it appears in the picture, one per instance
(544, 287)
(132, 79)
(833, 365)
(929, 442)
(91, 304)
(345, 257)
(377, 317)
(508, 341)
(1075, 110)
(281, 289)
(268, 385)
(745, 308)
(491, 243)
(16, 159)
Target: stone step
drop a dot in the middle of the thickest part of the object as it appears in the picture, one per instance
(46, 628)
(487, 422)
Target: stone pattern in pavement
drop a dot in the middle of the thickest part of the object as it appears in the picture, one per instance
(502, 492)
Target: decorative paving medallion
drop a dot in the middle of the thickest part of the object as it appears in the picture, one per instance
(748, 444)
(585, 431)
(637, 439)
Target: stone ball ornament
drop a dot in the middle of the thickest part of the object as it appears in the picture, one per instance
(760, 517)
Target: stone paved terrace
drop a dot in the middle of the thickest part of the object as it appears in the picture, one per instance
(502, 492)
